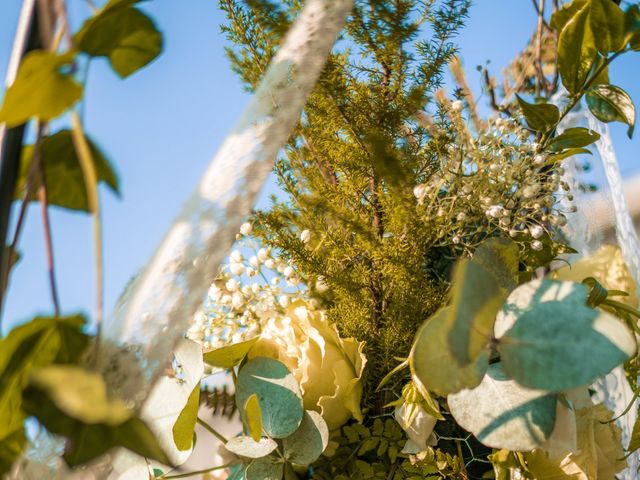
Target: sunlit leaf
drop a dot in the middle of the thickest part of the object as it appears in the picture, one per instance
(278, 393)
(185, 425)
(433, 364)
(575, 137)
(41, 89)
(609, 103)
(80, 394)
(539, 116)
(267, 468)
(11, 447)
(503, 414)
(253, 416)
(499, 256)
(576, 48)
(246, 446)
(230, 355)
(306, 444)
(632, 26)
(569, 152)
(557, 342)
(124, 34)
(65, 182)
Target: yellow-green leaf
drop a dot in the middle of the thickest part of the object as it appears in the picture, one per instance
(253, 416)
(609, 103)
(229, 355)
(42, 89)
(186, 423)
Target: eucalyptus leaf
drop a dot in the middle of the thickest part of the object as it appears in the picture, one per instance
(123, 34)
(267, 468)
(253, 416)
(609, 103)
(64, 178)
(559, 344)
(42, 89)
(433, 364)
(230, 355)
(539, 116)
(503, 414)
(575, 137)
(499, 256)
(476, 297)
(306, 444)
(186, 423)
(246, 446)
(80, 394)
(278, 393)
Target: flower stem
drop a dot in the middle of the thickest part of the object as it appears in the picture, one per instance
(211, 430)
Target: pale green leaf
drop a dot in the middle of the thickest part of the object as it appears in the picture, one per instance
(267, 468)
(41, 89)
(569, 152)
(433, 364)
(576, 49)
(609, 103)
(247, 447)
(475, 299)
(503, 414)
(81, 394)
(559, 344)
(278, 393)
(253, 417)
(306, 444)
(230, 355)
(186, 423)
(499, 256)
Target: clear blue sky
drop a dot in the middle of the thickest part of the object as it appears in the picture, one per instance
(161, 127)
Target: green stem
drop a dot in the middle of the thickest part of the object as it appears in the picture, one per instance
(211, 430)
(197, 472)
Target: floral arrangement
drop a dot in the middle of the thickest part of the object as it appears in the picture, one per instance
(403, 310)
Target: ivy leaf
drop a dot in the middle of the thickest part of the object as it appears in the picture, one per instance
(89, 441)
(186, 423)
(278, 393)
(247, 447)
(123, 34)
(65, 181)
(575, 137)
(11, 447)
(230, 355)
(503, 414)
(253, 414)
(306, 444)
(80, 394)
(609, 103)
(42, 89)
(475, 300)
(539, 116)
(434, 366)
(557, 342)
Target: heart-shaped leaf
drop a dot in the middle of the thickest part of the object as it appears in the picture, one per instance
(503, 414)
(306, 444)
(278, 393)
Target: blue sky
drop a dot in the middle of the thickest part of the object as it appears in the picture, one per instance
(161, 127)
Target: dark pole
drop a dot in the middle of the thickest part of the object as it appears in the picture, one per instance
(27, 38)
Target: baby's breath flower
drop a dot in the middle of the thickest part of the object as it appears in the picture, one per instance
(246, 228)
(305, 236)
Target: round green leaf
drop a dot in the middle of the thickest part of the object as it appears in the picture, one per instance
(278, 393)
(264, 469)
(254, 416)
(230, 355)
(503, 414)
(550, 339)
(246, 446)
(609, 103)
(306, 444)
(433, 364)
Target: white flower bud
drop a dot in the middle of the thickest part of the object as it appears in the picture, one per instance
(255, 288)
(246, 228)
(461, 216)
(236, 268)
(419, 191)
(236, 256)
(305, 236)
(250, 272)
(246, 290)
(536, 245)
(214, 292)
(288, 271)
(270, 263)
(494, 211)
(254, 261)
(539, 160)
(237, 301)
(457, 106)
(232, 285)
(536, 231)
(283, 300)
(263, 254)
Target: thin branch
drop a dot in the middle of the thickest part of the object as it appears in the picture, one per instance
(196, 472)
(540, 80)
(44, 208)
(211, 430)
